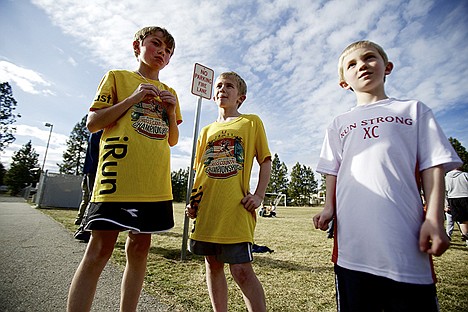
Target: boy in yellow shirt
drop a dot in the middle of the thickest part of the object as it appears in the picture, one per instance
(221, 200)
(132, 192)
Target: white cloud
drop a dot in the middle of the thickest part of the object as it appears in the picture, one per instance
(286, 50)
(26, 79)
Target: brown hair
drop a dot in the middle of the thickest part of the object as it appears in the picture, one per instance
(150, 30)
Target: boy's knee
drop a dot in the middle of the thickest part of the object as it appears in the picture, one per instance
(241, 272)
(214, 265)
(99, 254)
(138, 246)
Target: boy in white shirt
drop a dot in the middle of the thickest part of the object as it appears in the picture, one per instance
(375, 158)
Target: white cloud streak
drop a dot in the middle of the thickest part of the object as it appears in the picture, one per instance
(286, 50)
(28, 80)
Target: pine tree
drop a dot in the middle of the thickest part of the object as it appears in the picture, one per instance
(179, 184)
(7, 117)
(302, 185)
(2, 173)
(461, 151)
(24, 169)
(74, 156)
(279, 177)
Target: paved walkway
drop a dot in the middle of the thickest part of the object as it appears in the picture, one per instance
(38, 258)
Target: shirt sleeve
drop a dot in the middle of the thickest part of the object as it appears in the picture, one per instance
(434, 148)
(331, 153)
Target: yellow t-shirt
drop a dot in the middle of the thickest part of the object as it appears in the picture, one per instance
(224, 159)
(134, 154)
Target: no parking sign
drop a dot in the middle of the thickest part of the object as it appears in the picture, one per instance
(202, 82)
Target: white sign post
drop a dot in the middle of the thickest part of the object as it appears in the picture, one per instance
(202, 86)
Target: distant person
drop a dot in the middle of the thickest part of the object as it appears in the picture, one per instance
(221, 200)
(450, 224)
(267, 211)
(374, 157)
(89, 174)
(456, 184)
(140, 117)
(272, 210)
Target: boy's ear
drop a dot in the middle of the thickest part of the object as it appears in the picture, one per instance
(241, 99)
(136, 47)
(344, 85)
(388, 68)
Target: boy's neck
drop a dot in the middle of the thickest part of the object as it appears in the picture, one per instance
(148, 73)
(225, 116)
(364, 98)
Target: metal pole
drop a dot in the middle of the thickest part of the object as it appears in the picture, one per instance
(47, 147)
(190, 179)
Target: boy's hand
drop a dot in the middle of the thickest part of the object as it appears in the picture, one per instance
(432, 239)
(322, 219)
(169, 101)
(251, 202)
(146, 92)
(190, 211)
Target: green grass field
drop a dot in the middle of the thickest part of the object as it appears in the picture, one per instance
(297, 276)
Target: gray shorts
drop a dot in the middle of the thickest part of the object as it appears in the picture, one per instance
(226, 253)
(137, 217)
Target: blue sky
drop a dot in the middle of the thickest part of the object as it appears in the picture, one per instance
(54, 53)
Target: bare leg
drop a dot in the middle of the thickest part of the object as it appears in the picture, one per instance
(464, 229)
(217, 285)
(136, 249)
(84, 283)
(84, 200)
(251, 287)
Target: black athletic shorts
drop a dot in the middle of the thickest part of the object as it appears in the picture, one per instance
(459, 208)
(364, 292)
(137, 217)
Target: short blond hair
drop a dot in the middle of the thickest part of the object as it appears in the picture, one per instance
(241, 85)
(357, 45)
(151, 30)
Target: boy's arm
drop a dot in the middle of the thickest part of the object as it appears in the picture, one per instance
(169, 101)
(253, 201)
(432, 238)
(102, 118)
(322, 219)
(173, 137)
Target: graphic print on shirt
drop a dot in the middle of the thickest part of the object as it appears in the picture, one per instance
(150, 120)
(224, 156)
(370, 127)
(114, 149)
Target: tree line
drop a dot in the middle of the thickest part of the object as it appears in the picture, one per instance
(299, 185)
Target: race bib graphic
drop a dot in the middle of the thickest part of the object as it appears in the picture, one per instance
(150, 120)
(224, 157)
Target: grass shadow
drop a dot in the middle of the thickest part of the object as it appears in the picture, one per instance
(169, 234)
(290, 265)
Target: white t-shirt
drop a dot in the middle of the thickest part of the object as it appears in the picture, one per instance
(377, 151)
